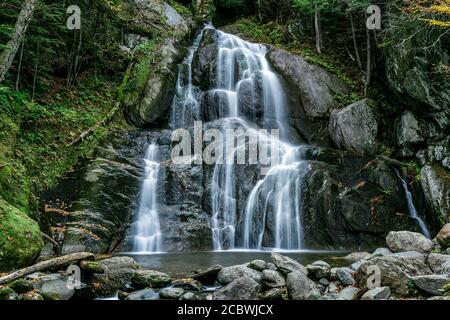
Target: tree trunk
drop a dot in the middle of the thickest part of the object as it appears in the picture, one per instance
(7, 57)
(19, 68)
(355, 43)
(369, 64)
(317, 28)
(46, 265)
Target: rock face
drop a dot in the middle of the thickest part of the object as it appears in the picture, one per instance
(310, 91)
(20, 239)
(395, 270)
(99, 215)
(435, 183)
(243, 288)
(408, 241)
(443, 237)
(355, 127)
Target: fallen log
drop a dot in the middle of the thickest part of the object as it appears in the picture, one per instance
(45, 265)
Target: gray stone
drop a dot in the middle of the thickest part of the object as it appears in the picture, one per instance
(355, 127)
(324, 281)
(188, 284)
(287, 265)
(432, 284)
(300, 287)
(349, 293)
(319, 269)
(189, 296)
(436, 189)
(56, 290)
(229, 274)
(356, 256)
(408, 134)
(272, 294)
(271, 266)
(243, 288)
(382, 293)
(381, 252)
(395, 270)
(258, 265)
(400, 241)
(209, 276)
(439, 263)
(145, 294)
(171, 293)
(332, 288)
(150, 279)
(272, 279)
(443, 237)
(345, 276)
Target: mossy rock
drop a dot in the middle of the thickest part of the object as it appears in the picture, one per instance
(20, 240)
(21, 285)
(7, 293)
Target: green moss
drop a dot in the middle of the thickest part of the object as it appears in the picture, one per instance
(20, 240)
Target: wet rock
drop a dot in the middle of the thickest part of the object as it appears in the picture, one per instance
(320, 269)
(229, 274)
(21, 285)
(300, 287)
(145, 294)
(56, 290)
(439, 263)
(209, 276)
(432, 284)
(272, 294)
(171, 293)
(118, 274)
(204, 59)
(258, 265)
(92, 266)
(188, 285)
(287, 265)
(271, 266)
(7, 293)
(435, 185)
(408, 134)
(395, 270)
(349, 293)
(242, 288)
(356, 256)
(332, 288)
(355, 127)
(32, 296)
(150, 278)
(381, 252)
(408, 241)
(382, 293)
(345, 276)
(272, 279)
(443, 237)
(189, 296)
(324, 282)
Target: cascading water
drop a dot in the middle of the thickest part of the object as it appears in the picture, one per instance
(412, 209)
(241, 65)
(147, 236)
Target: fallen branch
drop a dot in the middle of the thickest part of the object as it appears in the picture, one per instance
(89, 131)
(49, 238)
(45, 265)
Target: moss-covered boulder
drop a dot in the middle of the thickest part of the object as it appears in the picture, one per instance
(20, 240)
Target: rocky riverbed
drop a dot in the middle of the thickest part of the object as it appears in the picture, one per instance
(411, 266)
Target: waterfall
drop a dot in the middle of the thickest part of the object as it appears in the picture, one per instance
(147, 236)
(241, 65)
(412, 209)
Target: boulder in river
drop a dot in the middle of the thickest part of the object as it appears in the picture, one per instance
(443, 237)
(229, 274)
(381, 293)
(150, 278)
(439, 263)
(287, 265)
(242, 288)
(408, 241)
(300, 287)
(432, 284)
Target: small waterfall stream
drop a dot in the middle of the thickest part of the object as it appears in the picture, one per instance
(412, 209)
(147, 236)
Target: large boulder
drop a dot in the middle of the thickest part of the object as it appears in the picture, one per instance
(286, 264)
(408, 241)
(443, 237)
(439, 263)
(395, 270)
(432, 284)
(355, 127)
(381, 293)
(300, 287)
(117, 276)
(229, 274)
(150, 279)
(435, 182)
(56, 290)
(20, 238)
(242, 288)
